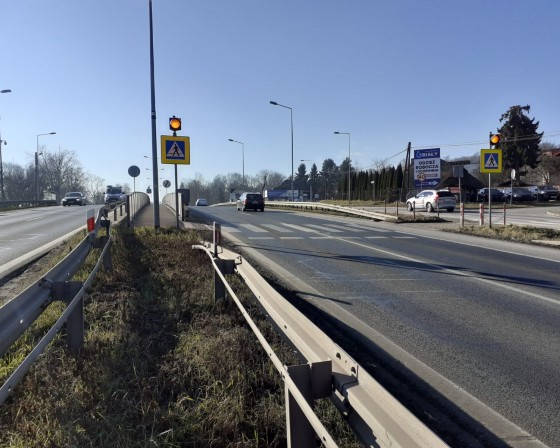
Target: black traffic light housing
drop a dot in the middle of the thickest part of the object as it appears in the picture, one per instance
(495, 139)
(175, 124)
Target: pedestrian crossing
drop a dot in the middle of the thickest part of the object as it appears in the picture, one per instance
(288, 231)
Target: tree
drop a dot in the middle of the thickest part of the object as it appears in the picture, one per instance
(95, 187)
(519, 140)
(313, 181)
(60, 172)
(329, 177)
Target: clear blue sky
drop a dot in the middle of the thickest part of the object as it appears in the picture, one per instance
(436, 73)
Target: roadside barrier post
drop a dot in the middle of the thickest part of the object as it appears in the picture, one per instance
(66, 292)
(504, 213)
(413, 209)
(481, 214)
(462, 211)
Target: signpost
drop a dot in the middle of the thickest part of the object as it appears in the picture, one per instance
(175, 150)
(490, 162)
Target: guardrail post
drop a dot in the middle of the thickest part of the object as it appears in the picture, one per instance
(481, 214)
(66, 291)
(313, 381)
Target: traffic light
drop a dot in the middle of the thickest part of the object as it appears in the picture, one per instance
(175, 123)
(495, 139)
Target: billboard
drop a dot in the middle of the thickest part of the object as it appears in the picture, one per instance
(427, 168)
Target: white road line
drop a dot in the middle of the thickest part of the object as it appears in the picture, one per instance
(260, 238)
(290, 237)
(375, 237)
(325, 228)
(253, 228)
(302, 229)
(277, 228)
(348, 228)
(230, 229)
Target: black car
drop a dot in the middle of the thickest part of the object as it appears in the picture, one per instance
(519, 194)
(544, 193)
(74, 198)
(495, 195)
(253, 201)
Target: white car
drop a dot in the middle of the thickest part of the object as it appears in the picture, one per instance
(201, 202)
(431, 200)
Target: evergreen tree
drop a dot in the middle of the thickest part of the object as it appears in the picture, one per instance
(519, 140)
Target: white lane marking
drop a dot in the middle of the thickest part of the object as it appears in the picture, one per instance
(230, 229)
(375, 237)
(302, 229)
(404, 237)
(325, 228)
(347, 228)
(290, 237)
(253, 228)
(277, 228)
(321, 237)
(260, 237)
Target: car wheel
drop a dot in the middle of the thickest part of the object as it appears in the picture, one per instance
(409, 206)
(429, 207)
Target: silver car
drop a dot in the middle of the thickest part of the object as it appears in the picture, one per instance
(431, 200)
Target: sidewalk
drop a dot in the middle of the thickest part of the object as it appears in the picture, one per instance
(146, 217)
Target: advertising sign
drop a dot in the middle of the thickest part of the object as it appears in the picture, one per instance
(427, 168)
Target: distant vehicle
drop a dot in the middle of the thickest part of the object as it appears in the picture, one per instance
(544, 192)
(201, 202)
(74, 198)
(253, 201)
(431, 200)
(518, 194)
(114, 194)
(496, 195)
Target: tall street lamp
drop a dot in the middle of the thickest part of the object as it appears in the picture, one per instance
(310, 179)
(242, 156)
(2, 142)
(274, 103)
(348, 134)
(37, 165)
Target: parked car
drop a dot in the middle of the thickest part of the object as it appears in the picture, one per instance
(201, 202)
(430, 200)
(544, 192)
(253, 201)
(495, 195)
(519, 194)
(74, 198)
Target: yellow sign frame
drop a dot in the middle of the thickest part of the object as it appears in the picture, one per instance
(486, 155)
(175, 150)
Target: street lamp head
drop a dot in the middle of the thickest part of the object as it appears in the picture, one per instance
(230, 139)
(5, 91)
(274, 103)
(336, 132)
(52, 133)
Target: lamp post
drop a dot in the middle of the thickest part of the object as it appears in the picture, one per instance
(2, 142)
(310, 180)
(242, 157)
(348, 134)
(274, 103)
(37, 165)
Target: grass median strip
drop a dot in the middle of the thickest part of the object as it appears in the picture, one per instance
(162, 364)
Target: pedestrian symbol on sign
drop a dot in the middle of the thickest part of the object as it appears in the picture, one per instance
(490, 162)
(175, 151)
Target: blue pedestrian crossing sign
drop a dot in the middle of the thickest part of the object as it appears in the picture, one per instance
(175, 150)
(491, 160)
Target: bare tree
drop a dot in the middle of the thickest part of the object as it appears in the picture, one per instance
(95, 187)
(60, 172)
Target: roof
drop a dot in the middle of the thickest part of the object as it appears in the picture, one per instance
(468, 181)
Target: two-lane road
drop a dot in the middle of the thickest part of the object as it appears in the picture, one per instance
(27, 231)
(484, 314)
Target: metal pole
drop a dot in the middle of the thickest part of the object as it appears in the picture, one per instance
(292, 126)
(2, 142)
(349, 170)
(37, 171)
(154, 136)
(176, 198)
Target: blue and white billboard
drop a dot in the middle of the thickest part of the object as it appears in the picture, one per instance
(427, 168)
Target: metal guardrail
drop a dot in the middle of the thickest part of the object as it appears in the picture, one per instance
(319, 206)
(19, 313)
(11, 205)
(376, 417)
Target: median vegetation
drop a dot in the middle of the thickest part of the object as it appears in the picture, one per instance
(162, 364)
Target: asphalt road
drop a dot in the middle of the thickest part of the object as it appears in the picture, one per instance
(484, 314)
(27, 231)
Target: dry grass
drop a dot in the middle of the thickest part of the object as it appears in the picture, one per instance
(521, 234)
(162, 364)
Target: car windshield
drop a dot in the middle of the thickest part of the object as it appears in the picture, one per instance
(113, 191)
(73, 195)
